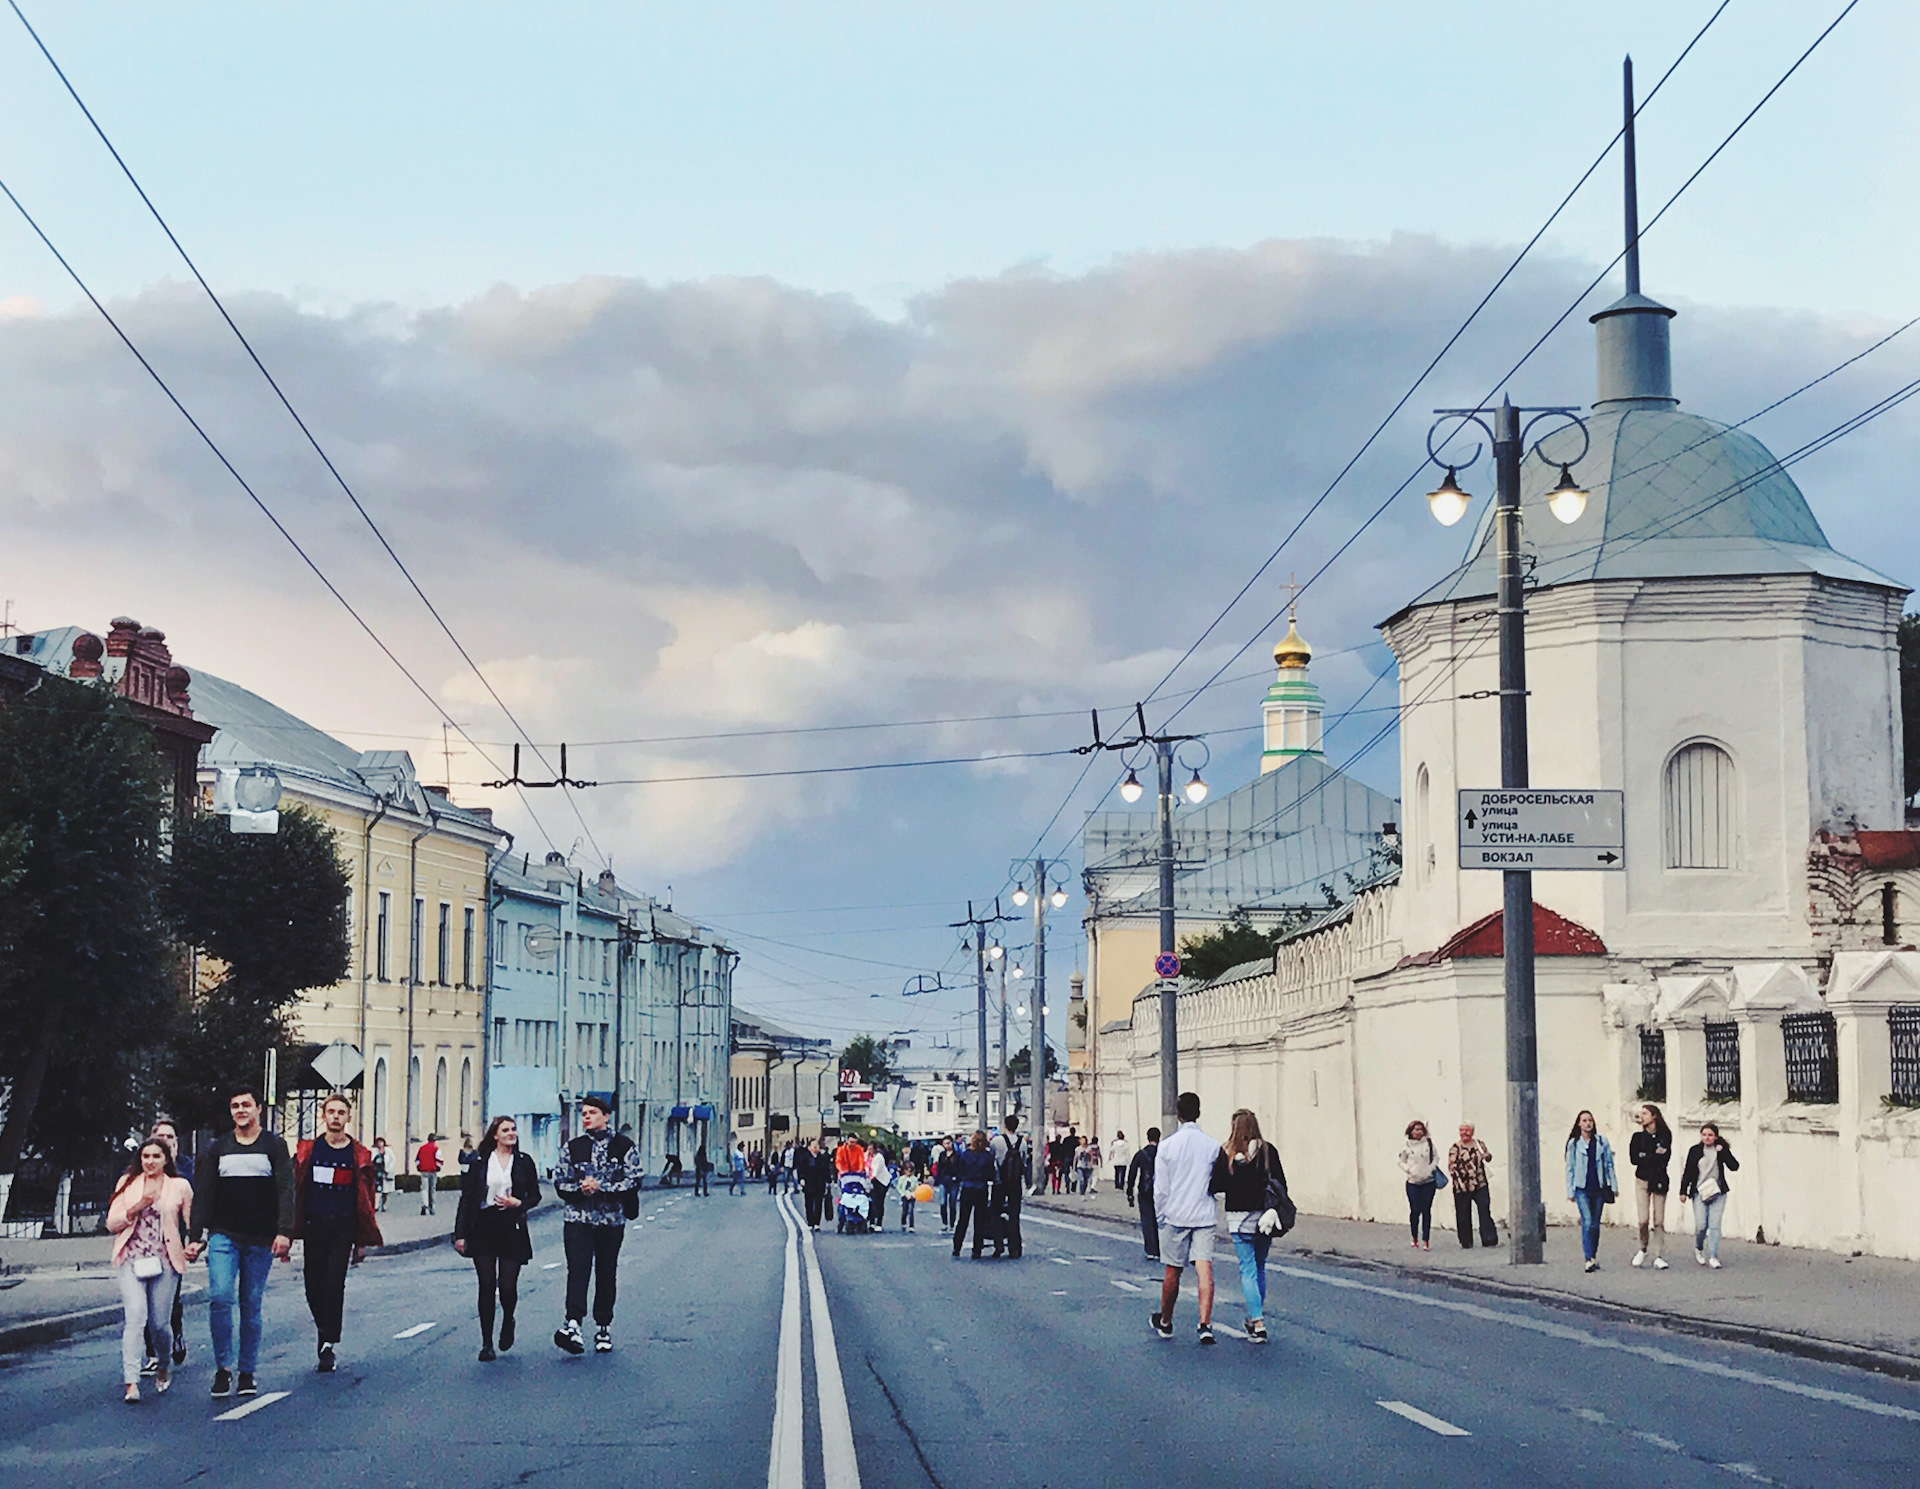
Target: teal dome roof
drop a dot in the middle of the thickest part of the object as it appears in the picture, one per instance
(1673, 496)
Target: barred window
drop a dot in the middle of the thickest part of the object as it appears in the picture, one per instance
(1653, 1064)
(1700, 808)
(1903, 1029)
(1723, 1061)
(1813, 1057)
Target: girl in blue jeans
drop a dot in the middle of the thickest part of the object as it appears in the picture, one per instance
(1241, 1173)
(1590, 1182)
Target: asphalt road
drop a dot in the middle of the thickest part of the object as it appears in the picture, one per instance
(1037, 1373)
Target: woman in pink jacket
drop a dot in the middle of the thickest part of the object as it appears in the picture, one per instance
(147, 1218)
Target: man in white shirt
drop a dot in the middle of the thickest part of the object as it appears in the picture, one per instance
(1183, 1202)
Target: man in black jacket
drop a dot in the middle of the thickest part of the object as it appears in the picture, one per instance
(598, 1171)
(1140, 1183)
(243, 1221)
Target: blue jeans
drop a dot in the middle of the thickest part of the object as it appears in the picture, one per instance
(1706, 1223)
(236, 1271)
(1252, 1252)
(1588, 1203)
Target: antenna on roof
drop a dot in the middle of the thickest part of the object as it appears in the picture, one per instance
(1632, 185)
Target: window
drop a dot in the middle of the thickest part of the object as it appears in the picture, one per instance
(1903, 1037)
(379, 1097)
(413, 1096)
(499, 1041)
(466, 947)
(414, 948)
(1653, 1064)
(444, 962)
(383, 938)
(1723, 1061)
(1423, 854)
(440, 1094)
(606, 964)
(603, 1044)
(1813, 1057)
(466, 1091)
(1700, 808)
(499, 943)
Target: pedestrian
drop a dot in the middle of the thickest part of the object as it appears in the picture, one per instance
(1091, 1160)
(242, 1223)
(737, 1169)
(165, 1130)
(1247, 1176)
(1009, 1171)
(946, 1173)
(466, 1151)
(1056, 1163)
(599, 1178)
(427, 1163)
(1140, 1187)
(702, 1173)
(879, 1181)
(497, 1191)
(1419, 1166)
(147, 1218)
(1467, 1162)
(1589, 1182)
(333, 1218)
(382, 1170)
(1703, 1181)
(906, 1185)
(1119, 1155)
(814, 1181)
(1183, 1200)
(1650, 1151)
(776, 1165)
(975, 1169)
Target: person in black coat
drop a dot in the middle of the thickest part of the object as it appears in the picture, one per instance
(814, 1178)
(497, 1189)
(976, 1171)
(1140, 1191)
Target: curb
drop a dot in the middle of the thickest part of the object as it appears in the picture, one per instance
(52, 1329)
(1778, 1341)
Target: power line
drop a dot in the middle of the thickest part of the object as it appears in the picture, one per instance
(294, 413)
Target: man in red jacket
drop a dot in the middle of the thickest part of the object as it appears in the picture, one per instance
(332, 1216)
(427, 1163)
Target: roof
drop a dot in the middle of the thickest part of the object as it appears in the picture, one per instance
(1553, 935)
(1672, 495)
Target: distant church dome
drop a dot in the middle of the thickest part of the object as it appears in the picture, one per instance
(1292, 649)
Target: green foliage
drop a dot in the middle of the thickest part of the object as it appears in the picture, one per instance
(85, 998)
(870, 1057)
(1020, 1064)
(1236, 940)
(1910, 698)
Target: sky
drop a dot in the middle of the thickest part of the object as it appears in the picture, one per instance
(783, 368)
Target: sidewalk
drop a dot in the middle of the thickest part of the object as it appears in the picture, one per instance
(1862, 1311)
(52, 1289)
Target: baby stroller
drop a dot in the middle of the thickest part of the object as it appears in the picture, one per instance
(850, 1217)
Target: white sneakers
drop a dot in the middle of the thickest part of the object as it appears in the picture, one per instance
(1700, 1256)
(1639, 1259)
(1714, 1262)
(1659, 1264)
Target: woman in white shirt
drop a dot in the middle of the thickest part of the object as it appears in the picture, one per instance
(1419, 1166)
(497, 1190)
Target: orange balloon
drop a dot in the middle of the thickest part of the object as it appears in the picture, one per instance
(923, 1193)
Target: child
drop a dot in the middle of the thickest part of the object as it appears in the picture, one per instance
(904, 1185)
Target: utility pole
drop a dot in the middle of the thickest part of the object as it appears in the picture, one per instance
(976, 927)
(1037, 1024)
(1006, 1083)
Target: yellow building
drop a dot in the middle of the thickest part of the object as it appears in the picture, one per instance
(412, 1005)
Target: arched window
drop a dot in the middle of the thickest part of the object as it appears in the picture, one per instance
(466, 1093)
(413, 1096)
(1424, 856)
(1701, 827)
(440, 1123)
(379, 1099)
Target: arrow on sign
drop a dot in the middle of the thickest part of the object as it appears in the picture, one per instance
(1609, 857)
(1471, 819)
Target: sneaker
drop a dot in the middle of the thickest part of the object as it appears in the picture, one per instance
(506, 1333)
(1639, 1259)
(1426, 1245)
(149, 1366)
(1700, 1256)
(222, 1384)
(568, 1338)
(603, 1340)
(132, 1394)
(162, 1380)
(1160, 1327)
(1591, 1266)
(246, 1387)
(1256, 1331)
(1659, 1264)
(1206, 1333)
(486, 1354)
(325, 1367)
(1714, 1262)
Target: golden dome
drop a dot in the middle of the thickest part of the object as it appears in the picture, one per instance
(1292, 650)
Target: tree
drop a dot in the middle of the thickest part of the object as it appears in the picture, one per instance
(272, 909)
(1020, 1066)
(1910, 699)
(1236, 940)
(84, 988)
(871, 1057)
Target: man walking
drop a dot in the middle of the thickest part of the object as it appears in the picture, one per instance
(1139, 1188)
(598, 1172)
(1009, 1169)
(382, 1174)
(1183, 1199)
(242, 1221)
(427, 1161)
(737, 1169)
(333, 1183)
(1467, 1162)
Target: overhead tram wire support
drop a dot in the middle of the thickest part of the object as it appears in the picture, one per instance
(1043, 896)
(1166, 966)
(976, 941)
(563, 779)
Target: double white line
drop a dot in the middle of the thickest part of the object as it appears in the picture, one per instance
(786, 1463)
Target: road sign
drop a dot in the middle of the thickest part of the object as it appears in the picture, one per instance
(1166, 965)
(338, 1064)
(1537, 830)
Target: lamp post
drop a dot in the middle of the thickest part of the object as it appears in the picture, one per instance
(1526, 1217)
(1037, 1002)
(976, 942)
(1166, 966)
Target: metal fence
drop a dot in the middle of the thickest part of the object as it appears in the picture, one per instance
(1723, 1061)
(1813, 1057)
(1653, 1064)
(1903, 1031)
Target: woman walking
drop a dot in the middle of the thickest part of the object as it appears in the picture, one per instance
(490, 1227)
(1094, 1161)
(1247, 1165)
(147, 1218)
(975, 1167)
(1704, 1181)
(1590, 1182)
(1650, 1151)
(1420, 1166)
(946, 1173)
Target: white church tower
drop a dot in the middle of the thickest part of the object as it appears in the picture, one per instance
(1293, 713)
(1694, 641)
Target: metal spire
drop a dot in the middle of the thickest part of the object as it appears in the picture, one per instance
(1632, 187)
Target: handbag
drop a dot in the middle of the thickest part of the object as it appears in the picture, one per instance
(1439, 1179)
(146, 1268)
(1278, 1200)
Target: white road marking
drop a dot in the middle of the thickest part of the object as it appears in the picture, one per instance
(1059, 1292)
(1424, 1419)
(257, 1404)
(549, 1266)
(416, 1329)
(1656, 1440)
(786, 1460)
(840, 1468)
(1132, 1287)
(1747, 1471)
(1096, 1258)
(1231, 1330)
(1060, 1261)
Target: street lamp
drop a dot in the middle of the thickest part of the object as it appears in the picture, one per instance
(1130, 789)
(1526, 1218)
(1037, 1000)
(1020, 895)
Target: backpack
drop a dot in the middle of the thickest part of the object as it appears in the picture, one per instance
(1009, 1169)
